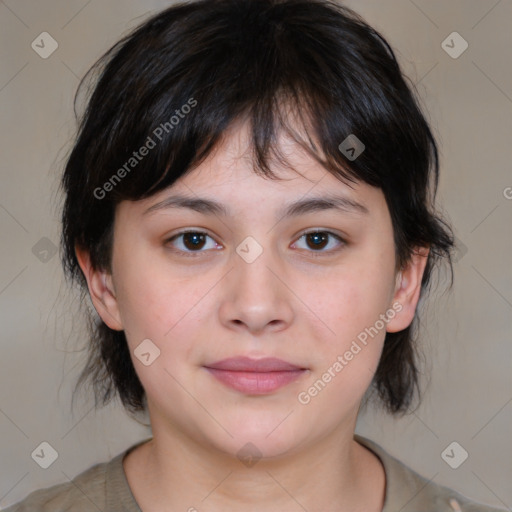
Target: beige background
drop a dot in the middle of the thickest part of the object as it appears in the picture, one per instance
(467, 333)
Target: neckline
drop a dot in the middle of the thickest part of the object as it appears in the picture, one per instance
(390, 491)
(118, 480)
(116, 477)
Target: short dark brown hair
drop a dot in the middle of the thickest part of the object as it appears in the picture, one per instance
(246, 60)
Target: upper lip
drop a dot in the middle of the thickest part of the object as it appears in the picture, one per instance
(246, 364)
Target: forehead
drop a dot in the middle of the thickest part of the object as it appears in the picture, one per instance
(226, 183)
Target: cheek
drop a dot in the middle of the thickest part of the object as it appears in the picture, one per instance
(143, 301)
(347, 355)
(152, 295)
(160, 309)
(350, 303)
(351, 298)
(162, 306)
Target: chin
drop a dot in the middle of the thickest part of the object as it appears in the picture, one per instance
(267, 436)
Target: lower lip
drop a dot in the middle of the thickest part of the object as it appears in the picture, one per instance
(256, 383)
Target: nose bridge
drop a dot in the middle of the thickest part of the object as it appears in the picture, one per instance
(254, 279)
(257, 296)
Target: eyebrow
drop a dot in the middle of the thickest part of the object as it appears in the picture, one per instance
(296, 208)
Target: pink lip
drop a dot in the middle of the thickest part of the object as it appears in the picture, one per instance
(246, 364)
(255, 376)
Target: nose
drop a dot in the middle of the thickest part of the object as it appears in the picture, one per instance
(256, 296)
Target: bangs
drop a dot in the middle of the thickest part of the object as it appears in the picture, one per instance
(182, 135)
(170, 91)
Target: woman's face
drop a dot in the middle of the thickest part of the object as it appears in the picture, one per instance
(255, 286)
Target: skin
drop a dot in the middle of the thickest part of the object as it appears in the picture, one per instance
(287, 303)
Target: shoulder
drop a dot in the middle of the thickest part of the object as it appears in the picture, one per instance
(82, 493)
(408, 491)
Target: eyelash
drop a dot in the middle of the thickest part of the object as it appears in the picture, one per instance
(316, 254)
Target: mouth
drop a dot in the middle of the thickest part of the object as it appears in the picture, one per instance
(255, 376)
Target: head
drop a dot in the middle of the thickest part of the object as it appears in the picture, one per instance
(253, 105)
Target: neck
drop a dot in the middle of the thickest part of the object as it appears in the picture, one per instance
(182, 474)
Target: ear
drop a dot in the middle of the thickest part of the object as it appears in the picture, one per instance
(407, 290)
(101, 290)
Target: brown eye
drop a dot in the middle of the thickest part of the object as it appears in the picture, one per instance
(189, 242)
(193, 241)
(317, 241)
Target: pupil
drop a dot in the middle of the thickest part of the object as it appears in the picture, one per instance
(318, 237)
(195, 238)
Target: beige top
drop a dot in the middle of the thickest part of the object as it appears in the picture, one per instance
(104, 487)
